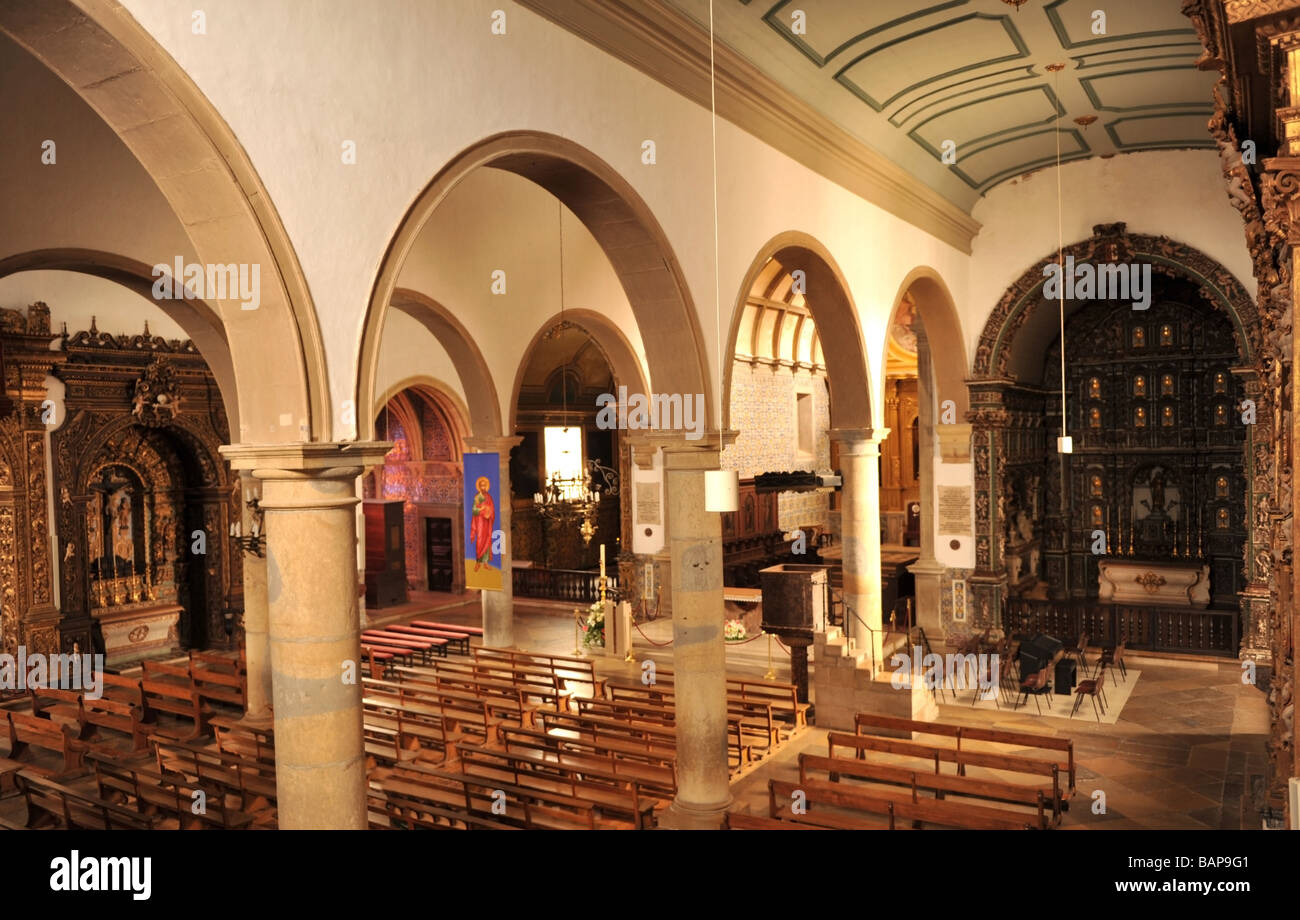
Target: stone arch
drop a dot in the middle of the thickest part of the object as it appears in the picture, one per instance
(436, 391)
(615, 215)
(943, 332)
(203, 171)
(833, 311)
(201, 322)
(1112, 242)
(483, 410)
(609, 339)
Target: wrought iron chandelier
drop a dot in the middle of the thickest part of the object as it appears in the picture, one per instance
(567, 499)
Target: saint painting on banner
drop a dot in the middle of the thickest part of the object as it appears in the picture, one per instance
(484, 536)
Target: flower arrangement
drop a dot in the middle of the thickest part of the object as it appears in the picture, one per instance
(733, 630)
(593, 632)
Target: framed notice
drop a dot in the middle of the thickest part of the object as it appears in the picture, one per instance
(954, 510)
(484, 538)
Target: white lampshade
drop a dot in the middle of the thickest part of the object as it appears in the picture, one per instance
(1065, 445)
(721, 490)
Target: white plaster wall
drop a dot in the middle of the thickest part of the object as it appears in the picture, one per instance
(95, 195)
(74, 298)
(496, 220)
(413, 83)
(1174, 193)
(409, 350)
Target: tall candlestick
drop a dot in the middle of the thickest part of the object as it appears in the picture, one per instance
(602, 560)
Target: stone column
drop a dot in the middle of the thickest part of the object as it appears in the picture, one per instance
(699, 650)
(257, 648)
(927, 570)
(498, 606)
(309, 499)
(860, 528)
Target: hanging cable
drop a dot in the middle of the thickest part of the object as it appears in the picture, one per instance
(717, 260)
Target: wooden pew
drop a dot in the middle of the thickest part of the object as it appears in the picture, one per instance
(498, 707)
(654, 777)
(783, 698)
(567, 668)
(738, 821)
(27, 731)
(178, 700)
(938, 784)
(245, 741)
(963, 736)
(152, 792)
(411, 813)
(463, 711)
(395, 728)
(450, 627)
(252, 782)
(1043, 774)
(608, 793)
(125, 690)
(463, 676)
(539, 808)
(49, 801)
(220, 678)
(425, 646)
(938, 813)
(454, 640)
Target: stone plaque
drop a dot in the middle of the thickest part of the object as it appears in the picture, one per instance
(954, 510)
(647, 502)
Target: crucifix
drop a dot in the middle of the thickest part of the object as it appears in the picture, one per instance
(106, 486)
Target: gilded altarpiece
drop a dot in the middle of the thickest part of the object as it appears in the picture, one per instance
(28, 616)
(1255, 46)
(143, 501)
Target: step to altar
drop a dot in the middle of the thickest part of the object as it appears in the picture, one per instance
(844, 685)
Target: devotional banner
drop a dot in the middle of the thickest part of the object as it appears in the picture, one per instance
(483, 546)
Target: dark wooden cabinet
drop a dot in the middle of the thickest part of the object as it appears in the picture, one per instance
(385, 553)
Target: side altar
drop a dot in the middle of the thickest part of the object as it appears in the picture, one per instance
(1167, 582)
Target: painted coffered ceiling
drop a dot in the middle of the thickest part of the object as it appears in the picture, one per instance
(906, 76)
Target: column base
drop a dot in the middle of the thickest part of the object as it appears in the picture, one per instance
(689, 816)
(260, 721)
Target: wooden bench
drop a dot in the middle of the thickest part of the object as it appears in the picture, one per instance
(252, 782)
(49, 801)
(395, 736)
(538, 808)
(178, 700)
(783, 698)
(567, 668)
(425, 646)
(152, 792)
(919, 812)
(500, 708)
(27, 732)
(738, 821)
(653, 777)
(450, 627)
(746, 722)
(453, 676)
(458, 717)
(250, 743)
(458, 641)
(409, 813)
(938, 784)
(220, 678)
(963, 736)
(610, 793)
(125, 690)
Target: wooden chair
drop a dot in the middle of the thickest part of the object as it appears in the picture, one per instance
(1092, 687)
(1114, 659)
(1035, 685)
(1081, 652)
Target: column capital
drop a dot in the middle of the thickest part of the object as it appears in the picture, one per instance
(325, 458)
(493, 443)
(865, 438)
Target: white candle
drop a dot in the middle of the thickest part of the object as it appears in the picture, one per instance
(602, 560)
